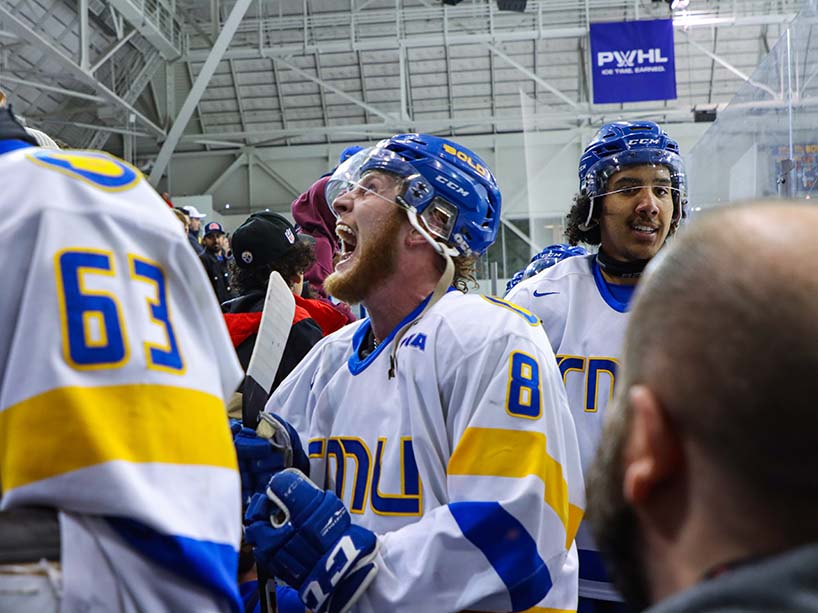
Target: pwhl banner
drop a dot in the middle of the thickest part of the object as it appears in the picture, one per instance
(633, 61)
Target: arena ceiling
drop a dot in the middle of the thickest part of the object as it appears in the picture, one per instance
(145, 78)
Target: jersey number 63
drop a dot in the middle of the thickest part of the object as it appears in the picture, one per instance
(93, 328)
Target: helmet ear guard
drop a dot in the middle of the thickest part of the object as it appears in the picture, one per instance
(436, 219)
(440, 217)
(416, 192)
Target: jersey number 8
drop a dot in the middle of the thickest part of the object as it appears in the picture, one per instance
(524, 398)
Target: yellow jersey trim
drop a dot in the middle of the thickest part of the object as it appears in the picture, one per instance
(72, 428)
(495, 452)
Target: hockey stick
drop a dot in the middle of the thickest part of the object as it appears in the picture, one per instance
(276, 321)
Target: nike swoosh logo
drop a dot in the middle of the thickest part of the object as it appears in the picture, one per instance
(539, 294)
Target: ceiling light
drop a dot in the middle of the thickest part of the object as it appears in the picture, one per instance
(511, 5)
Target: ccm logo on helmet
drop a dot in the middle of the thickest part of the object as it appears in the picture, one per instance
(452, 186)
(464, 157)
(643, 141)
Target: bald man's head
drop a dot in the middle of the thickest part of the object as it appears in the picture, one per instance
(714, 413)
(725, 332)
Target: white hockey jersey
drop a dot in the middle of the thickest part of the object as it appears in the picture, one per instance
(115, 364)
(585, 325)
(465, 463)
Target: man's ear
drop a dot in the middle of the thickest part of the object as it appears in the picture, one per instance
(653, 452)
(414, 238)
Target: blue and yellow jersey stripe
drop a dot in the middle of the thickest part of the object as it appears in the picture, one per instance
(71, 428)
(495, 452)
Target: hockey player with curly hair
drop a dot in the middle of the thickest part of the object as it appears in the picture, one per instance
(632, 197)
(444, 462)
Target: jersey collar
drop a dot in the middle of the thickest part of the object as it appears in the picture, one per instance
(620, 306)
(358, 365)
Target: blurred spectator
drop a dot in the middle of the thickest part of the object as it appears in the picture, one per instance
(166, 198)
(184, 219)
(315, 217)
(263, 243)
(311, 211)
(224, 243)
(215, 262)
(279, 256)
(195, 225)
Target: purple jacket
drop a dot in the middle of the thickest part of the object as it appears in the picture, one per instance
(311, 212)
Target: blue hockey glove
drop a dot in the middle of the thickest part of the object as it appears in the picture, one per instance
(304, 536)
(273, 446)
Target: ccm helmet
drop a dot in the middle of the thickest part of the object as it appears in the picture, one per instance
(550, 256)
(620, 144)
(447, 186)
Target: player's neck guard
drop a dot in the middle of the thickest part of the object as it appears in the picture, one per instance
(617, 268)
(369, 344)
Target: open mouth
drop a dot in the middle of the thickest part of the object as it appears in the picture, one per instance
(644, 230)
(349, 240)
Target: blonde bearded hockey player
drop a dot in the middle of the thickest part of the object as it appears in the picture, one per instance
(115, 364)
(632, 197)
(440, 422)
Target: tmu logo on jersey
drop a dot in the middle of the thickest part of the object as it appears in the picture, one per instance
(633, 61)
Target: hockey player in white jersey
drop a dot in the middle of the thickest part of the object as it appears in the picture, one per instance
(440, 422)
(114, 366)
(632, 198)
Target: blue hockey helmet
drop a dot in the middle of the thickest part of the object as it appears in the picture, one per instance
(544, 259)
(348, 152)
(550, 256)
(448, 186)
(518, 276)
(620, 144)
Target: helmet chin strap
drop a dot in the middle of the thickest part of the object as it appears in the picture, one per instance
(589, 222)
(442, 286)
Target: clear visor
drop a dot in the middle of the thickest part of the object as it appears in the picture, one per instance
(659, 190)
(435, 221)
(663, 181)
(349, 174)
(344, 176)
